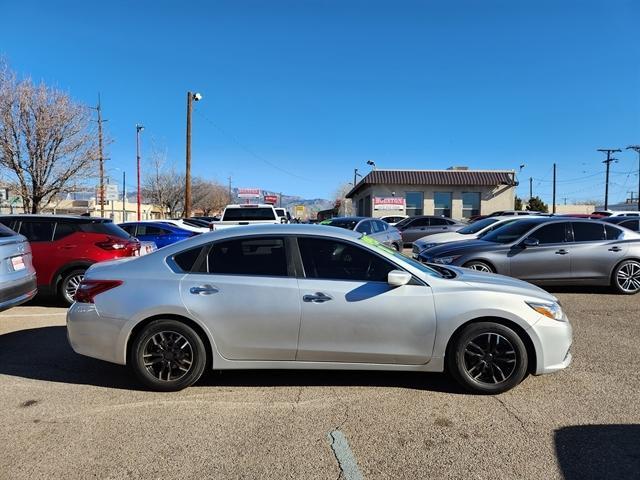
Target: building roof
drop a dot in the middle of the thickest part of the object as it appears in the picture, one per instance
(488, 178)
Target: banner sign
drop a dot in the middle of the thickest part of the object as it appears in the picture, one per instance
(272, 199)
(388, 203)
(249, 193)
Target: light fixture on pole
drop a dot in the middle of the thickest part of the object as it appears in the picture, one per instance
(139, 128)
(637, 150)
(372, 164)
(191, 97)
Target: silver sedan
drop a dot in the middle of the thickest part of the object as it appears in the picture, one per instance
(303, 297)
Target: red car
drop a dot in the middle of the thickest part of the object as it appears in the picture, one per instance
(63, 247)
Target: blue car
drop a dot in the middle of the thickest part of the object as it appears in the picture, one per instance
(162, 234)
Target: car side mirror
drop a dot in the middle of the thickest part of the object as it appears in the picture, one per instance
(531, 242)
(398, 278)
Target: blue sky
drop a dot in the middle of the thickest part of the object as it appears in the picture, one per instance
(317, 88)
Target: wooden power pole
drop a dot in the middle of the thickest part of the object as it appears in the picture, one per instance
(101, 159)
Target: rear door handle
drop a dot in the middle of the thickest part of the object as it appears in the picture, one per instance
(203, 290)
(562, 251)
(615, 249)
(68, 247)
(318, 297)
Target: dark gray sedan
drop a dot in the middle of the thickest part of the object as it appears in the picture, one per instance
(550, 251)
(413, 228)
(373, 227)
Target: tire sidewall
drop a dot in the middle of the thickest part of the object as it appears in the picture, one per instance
(614, 279)
(479, 262)
(136, 360)
(63, 283)
(455, 358)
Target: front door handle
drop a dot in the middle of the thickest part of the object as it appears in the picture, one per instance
(203, 290)
(562, 251)
(68, 247)
(615, 249)
(318, 297)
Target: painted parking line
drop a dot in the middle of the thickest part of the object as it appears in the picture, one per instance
(344, 456)
(33, 315)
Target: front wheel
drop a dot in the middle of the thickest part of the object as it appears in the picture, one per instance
(487, 358)
(479, 266)
(69, 285)
(626, 277)
(167, 356)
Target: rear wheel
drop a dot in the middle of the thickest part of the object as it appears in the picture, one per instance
(479, 266)
(626, 277)
(487, 358)
(69, 285)
(168, 355)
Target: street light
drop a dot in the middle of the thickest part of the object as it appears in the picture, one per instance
(139, 128)
(371, 163)
(637, 149)
(191, 97)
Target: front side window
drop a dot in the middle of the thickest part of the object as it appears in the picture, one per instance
(364, 227)
(470, 204)
(151, 230)
(442, 204)
(249, 256)
(37, 231)
(553, 233)
(438, 222)
(588, 232)
(415, 203)
(510, 232)
(335, 260)
(379, 226)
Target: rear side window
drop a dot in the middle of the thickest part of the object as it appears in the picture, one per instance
(248, 214)
(107, 228)
(335, 260)
(438, 221)
(631, 225)
(553, 233)
(379, 226)
(187, 260)
(37, 231)
(364, 227)
(613, 233)
(63, 229)
(6, 230)
(130, 229)
(588, 232)
(250, 256)
(419, 222)
(151, 230)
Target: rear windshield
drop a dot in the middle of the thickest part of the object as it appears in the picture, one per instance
(107, 228)
(248, 214)
(511, 231)
(281, 212)
(348, 224)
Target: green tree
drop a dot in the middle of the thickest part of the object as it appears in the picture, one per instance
(518, 203)
(537, 205)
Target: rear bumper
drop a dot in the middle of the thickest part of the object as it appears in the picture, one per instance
(16, 292)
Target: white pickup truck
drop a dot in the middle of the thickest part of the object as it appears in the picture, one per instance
(248, 214)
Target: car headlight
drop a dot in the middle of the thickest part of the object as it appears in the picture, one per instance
(550, 310)
(446, 260)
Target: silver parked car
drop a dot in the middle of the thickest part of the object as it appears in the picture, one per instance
(303, 297)
(413, 228)
(17, 275)
(552, 251)
(373, 227)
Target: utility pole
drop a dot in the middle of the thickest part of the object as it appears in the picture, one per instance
(229, 188)
(608, 161)
(187, 187)
(124, 197)
(637, 150)
(554, 188)
(100, 158)
(530, 188)
(139, 128)
(355, 176)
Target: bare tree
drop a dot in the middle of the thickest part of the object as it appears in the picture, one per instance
(162, 185)
(343, 204)
(208, 196)
(47, 141)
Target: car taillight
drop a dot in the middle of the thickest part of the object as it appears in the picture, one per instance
(88, 289)
(113, 243)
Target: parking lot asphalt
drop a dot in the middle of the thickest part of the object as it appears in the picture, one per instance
(67, 416)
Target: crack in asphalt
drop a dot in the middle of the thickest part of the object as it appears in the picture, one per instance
(512, 413)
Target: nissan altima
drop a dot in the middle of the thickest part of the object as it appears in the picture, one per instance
(303, 297)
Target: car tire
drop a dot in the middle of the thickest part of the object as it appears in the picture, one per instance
(68, 285)
(487, 358)
(162, 361)
(626, 277)
(479, 266)
(395, 246)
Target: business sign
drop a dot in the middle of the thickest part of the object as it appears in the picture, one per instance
(272, 199)
(299, 210)
(389, 203)
(249, 193)
(111, 192)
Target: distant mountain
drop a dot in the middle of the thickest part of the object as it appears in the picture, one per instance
(311, 206)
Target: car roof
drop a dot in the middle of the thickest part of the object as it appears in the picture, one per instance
(72, 218)
(351, 219)
(283, 229)
(620, 219)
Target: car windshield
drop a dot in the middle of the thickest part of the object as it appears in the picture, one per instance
(248, 214)
(367, 240)
(108, 228)
(475, 227)
(511, 231)
(347, 223)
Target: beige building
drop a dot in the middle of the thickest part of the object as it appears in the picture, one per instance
(456, 193)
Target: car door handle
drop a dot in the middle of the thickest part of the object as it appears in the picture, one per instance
(562, 251)
(203, 290)
(615, 249)
(318, 297)
(68, 247)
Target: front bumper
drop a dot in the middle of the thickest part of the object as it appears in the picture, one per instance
(93, 335)
(552, 341)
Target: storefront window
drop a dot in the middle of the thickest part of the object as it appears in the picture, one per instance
(470, 204)
(442, 203)
(415, 203)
